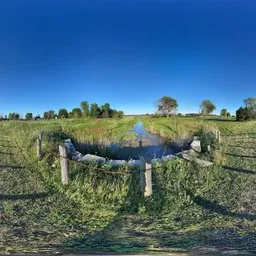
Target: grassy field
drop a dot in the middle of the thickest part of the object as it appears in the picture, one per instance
(192, 208)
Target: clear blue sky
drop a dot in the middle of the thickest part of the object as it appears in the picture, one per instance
(55, 54)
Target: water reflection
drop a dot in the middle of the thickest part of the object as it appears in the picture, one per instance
(146, 145)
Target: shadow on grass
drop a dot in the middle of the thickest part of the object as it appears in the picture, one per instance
(7, 153)
(144, 233)
(11, 167)
(23, 196)
(245, 156)
(220, 120)
(241, 134)
(236, 169)
(5, 140)
(7, 146)
(215, 207)
(238, 146)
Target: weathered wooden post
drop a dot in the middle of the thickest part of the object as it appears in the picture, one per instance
(64, 164)
(39, 146)
(142, 174)
(148, 178)
(140, 143)
(218, 136)
(145, 178)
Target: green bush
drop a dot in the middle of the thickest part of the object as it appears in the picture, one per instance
(245, 114)
(206, 138)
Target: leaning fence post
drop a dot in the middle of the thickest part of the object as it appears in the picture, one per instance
(39, 146)
(145, 178)
(64, 164)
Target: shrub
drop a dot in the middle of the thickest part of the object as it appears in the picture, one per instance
(245, 114)
(206, 138)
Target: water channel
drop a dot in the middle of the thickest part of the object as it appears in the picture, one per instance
(145, 145)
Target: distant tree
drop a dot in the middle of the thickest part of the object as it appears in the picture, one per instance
(167, 105)
(250, 103)
(224, 112)
(207, 107)
(85, 108)
(95, 110)
(120, 114)
(49, 114)
(76, 112)
(245, 114)
(38, 117)
(105, 110)
(13, 116)
(228, 114)
(29, 116)
(70, 114)
(63, 113)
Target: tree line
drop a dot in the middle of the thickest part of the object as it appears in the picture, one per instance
(168, 106)
(85, 110)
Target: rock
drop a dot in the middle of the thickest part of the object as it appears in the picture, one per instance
(209, 148)
(167, 158)
(116, 163)
(71, 148)
(156, 160)
(196, 145)
(191, 155)
(134, 163)
(203, 163)
(90, 157)
(77, 156)
(187, 154)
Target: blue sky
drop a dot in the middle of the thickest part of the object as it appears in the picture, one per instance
(55, 54)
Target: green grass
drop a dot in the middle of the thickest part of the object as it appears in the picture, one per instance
(191, 206)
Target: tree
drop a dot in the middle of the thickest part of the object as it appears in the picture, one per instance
(76, 112)
(95, 110)
(13, 116)
(49, 114)
(245, 114)
(120, 114)
(224, 112)
(207, 107)
(250, 103)
(29, 116)
(167, 105)
(105, 110)
(228, 114)
(63, 113)
(85, 108)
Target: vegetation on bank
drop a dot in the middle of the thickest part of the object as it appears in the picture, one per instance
(190, 206)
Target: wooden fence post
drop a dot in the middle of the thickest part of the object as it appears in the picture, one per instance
(142, 174)
(216, 134)
(148, 178)
(64, 164)
(39, 147)
(145, 178)
(219, 136)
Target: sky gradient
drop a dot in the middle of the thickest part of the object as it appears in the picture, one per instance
(55, 54)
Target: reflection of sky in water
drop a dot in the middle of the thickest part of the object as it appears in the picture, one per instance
(153, 146)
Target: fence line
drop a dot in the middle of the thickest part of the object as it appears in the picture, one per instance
(145, 168)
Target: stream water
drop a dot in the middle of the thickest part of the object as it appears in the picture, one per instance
(145, 145)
